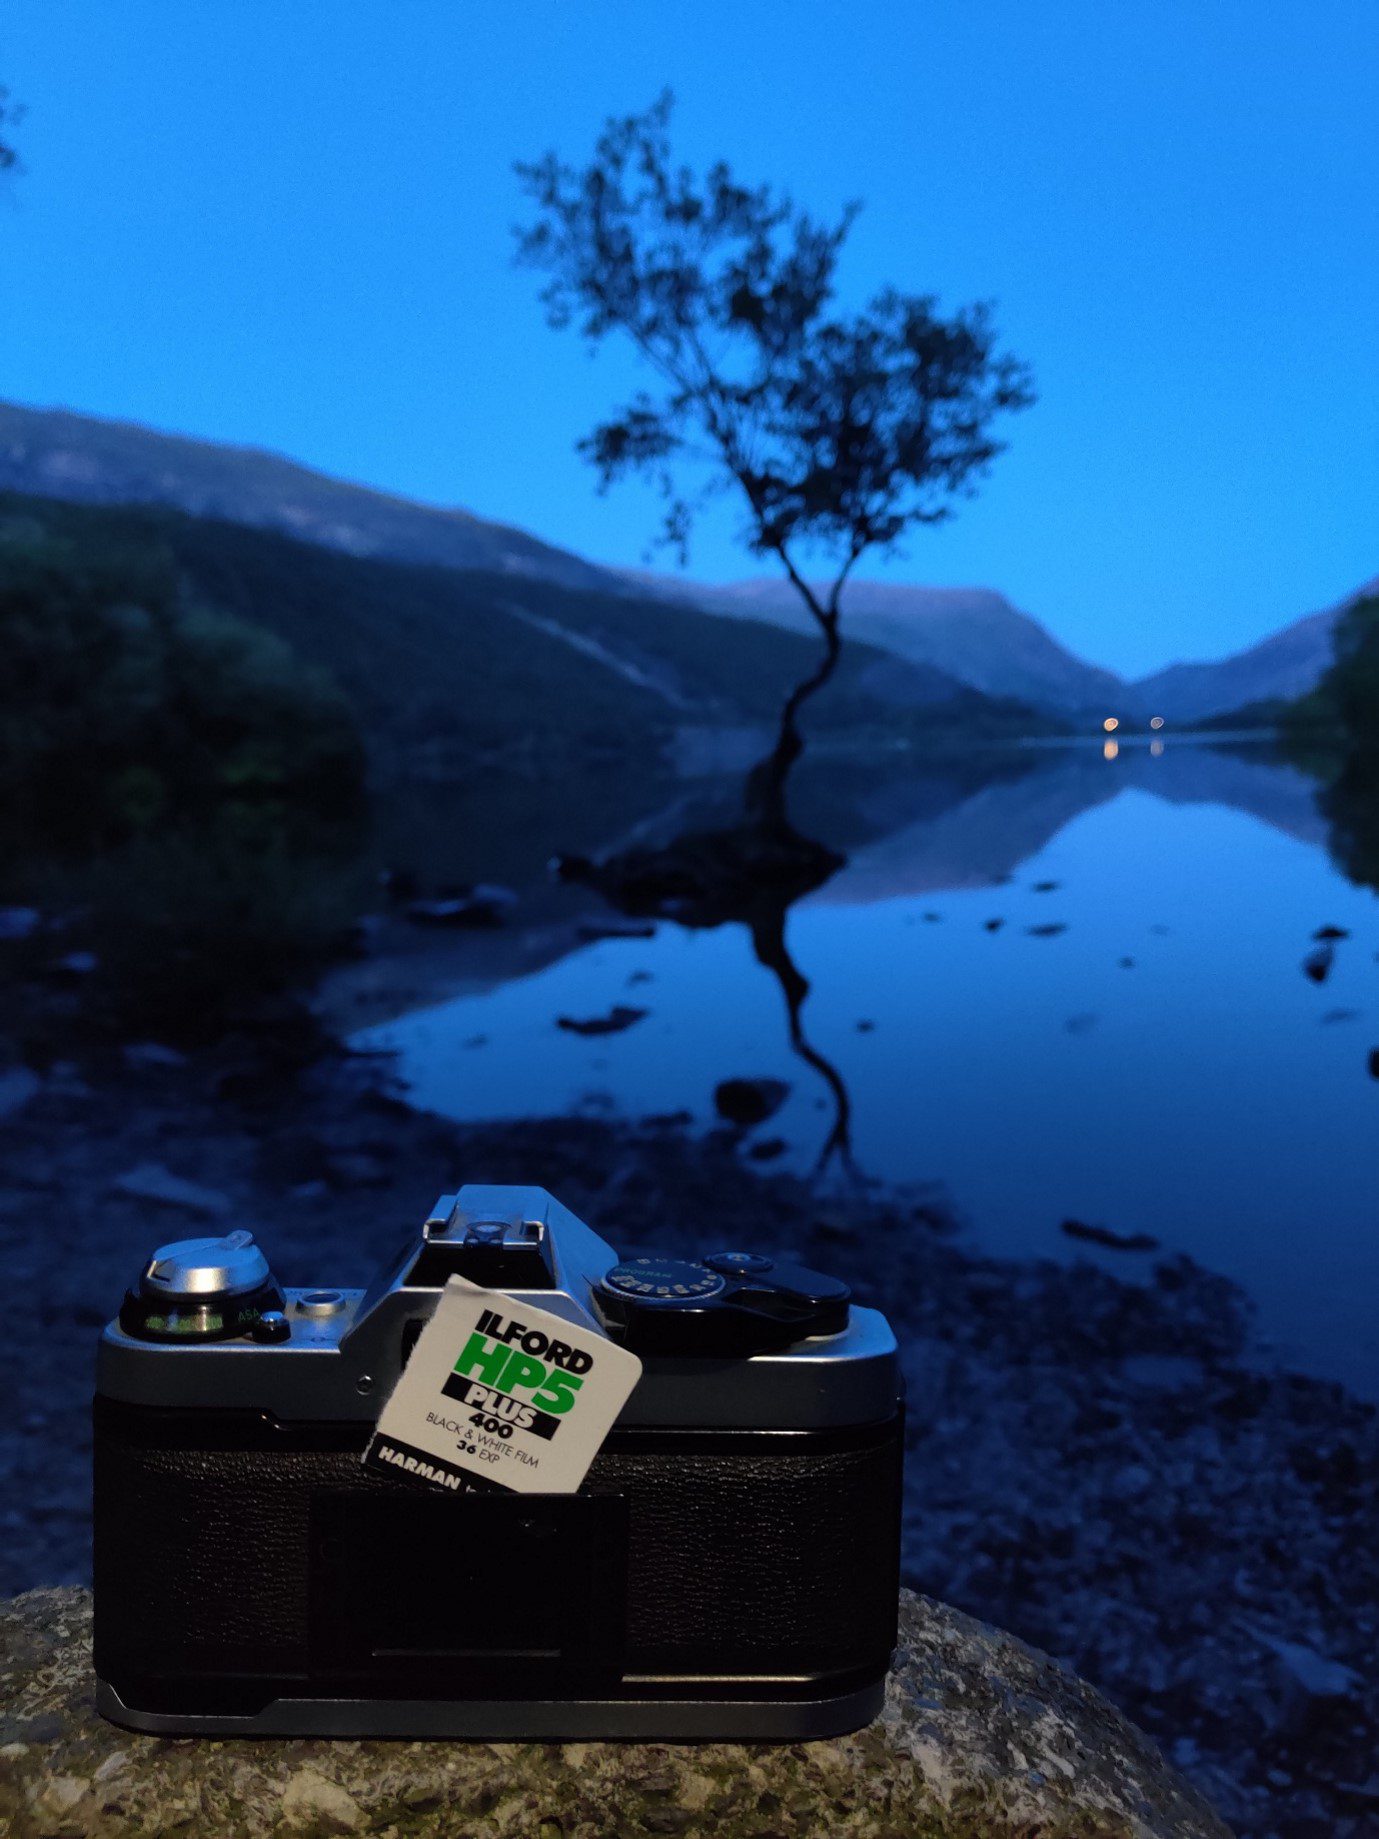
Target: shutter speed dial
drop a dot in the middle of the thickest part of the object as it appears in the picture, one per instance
(731, 1303)
(209, 1289)
(663, 1280)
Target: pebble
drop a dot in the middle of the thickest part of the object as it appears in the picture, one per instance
(151, 1182)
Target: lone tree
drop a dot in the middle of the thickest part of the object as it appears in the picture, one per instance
(836, 432)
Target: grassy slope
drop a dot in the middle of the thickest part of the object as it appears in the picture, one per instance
(433, 656)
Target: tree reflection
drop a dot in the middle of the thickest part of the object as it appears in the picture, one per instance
(710, 878)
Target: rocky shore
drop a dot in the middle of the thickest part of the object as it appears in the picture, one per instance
(1099, 1465)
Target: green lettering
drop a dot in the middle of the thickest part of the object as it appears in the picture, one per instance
(521, 1370)
(478, 1357)
(559, 1392)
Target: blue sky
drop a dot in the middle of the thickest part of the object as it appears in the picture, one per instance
(288, 224)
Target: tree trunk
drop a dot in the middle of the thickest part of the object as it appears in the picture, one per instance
(766, 783)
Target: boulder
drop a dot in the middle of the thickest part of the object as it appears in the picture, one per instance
(981, 1738)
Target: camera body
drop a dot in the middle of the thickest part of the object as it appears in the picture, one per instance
(728, 1568)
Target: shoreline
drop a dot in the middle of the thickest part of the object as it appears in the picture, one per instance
(1106, 1467)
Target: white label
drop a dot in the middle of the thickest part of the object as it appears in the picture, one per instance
(503, 1391)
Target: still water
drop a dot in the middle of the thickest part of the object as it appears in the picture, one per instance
(1154, 1059)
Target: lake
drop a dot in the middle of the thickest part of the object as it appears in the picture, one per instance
(1063, 984)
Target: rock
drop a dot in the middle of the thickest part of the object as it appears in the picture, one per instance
(981, 1738)
(400, 883)
(158, 1186)
(1113, 1241)
(73, 966)
(313, 1800)
(1374, 1062)
(18, 1084)
(18, 923)
(479, 906)
(620, 1016)
(1162, 1372)
(615, 929)
(1317, 964)
(749, 1101)
(703, 878)
(357, 1169)
(1305, 1672)
(143, 1054)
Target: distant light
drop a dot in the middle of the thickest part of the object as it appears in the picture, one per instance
(1156, 721)
(1110, 749)
(1110, 724)
(1156, 748)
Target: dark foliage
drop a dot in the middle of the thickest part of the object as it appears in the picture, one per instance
(125, 705)
(177, 791)
(1335, 732)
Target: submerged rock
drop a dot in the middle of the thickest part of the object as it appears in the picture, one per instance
(1113, 1241)
(981, 1738)
(480, 906)
(620, 1016)
(748, 1102)
(1317, 964)
(615, 929)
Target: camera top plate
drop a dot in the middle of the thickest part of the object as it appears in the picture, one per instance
(340, 1359)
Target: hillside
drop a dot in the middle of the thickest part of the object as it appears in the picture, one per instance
(971, 637)
(972, 634)
(1280, 668)
(446, 668)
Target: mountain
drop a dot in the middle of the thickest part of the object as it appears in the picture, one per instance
(55, 454)
(1279, 669)
(951, 641)
(970, 633)
(447, 669)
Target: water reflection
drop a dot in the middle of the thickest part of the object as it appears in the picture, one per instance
(1062, 988)
(737, 877)
(768, 943)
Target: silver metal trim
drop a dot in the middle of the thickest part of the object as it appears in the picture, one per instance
(222, 1264)
(344, 1366)
(319, 1305)
(683, 1720)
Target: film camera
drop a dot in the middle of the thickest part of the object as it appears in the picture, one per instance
(728, 1568)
